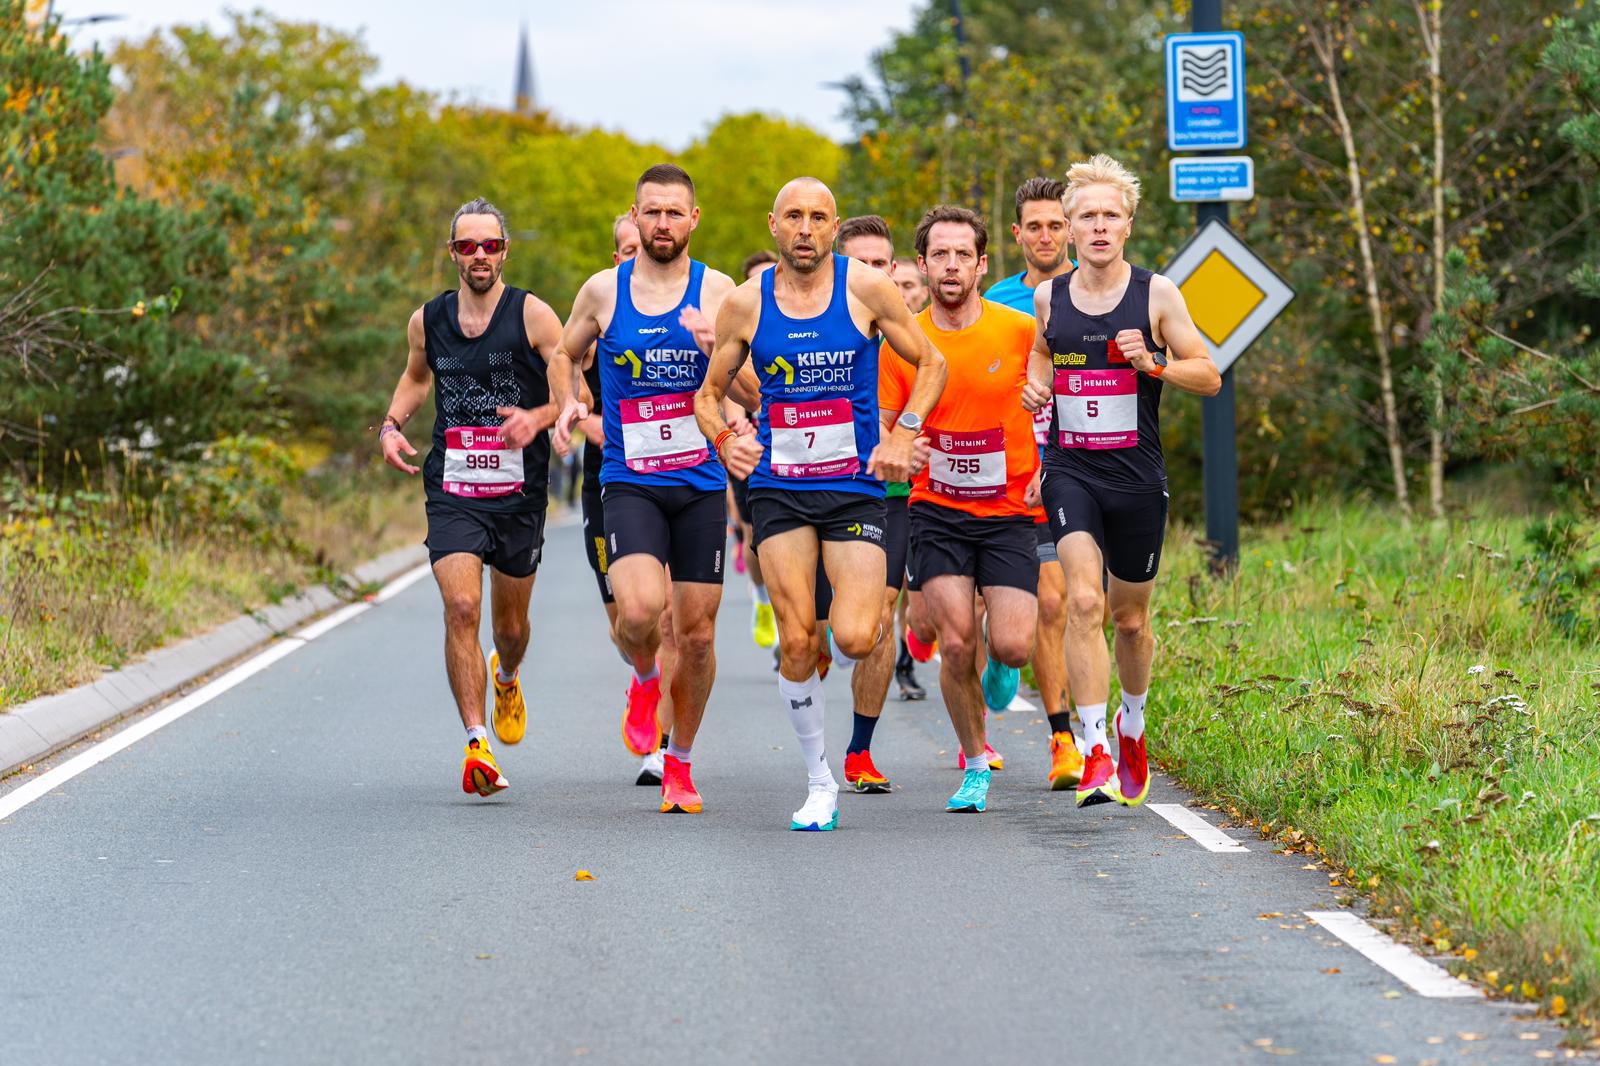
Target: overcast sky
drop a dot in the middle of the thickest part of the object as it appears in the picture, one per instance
(659, 70)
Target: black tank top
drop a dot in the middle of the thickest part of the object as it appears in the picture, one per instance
(591, 451)
(1104, 424)
(471, 377)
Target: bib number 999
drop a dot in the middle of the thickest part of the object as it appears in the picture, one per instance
(489, 461)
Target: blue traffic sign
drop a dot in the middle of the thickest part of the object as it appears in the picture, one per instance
(1205, 91)
(1212, 179)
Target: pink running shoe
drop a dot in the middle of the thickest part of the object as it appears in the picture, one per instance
(641, 733)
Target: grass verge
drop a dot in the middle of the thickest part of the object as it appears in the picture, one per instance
(92, 577)
(1419, 709)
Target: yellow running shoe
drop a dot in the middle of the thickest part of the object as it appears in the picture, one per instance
(510, 713)
(1066, 762)
(479, 772)
(764, 626)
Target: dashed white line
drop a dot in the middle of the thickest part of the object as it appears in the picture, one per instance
(1197, 828)
(20, 797)
(1423, 977)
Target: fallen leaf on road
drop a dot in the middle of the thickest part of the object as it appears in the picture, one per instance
(1470, 1036)
(583, 875)
(1265, 1041)
(1332, 969)
(1268, 914)
(1527, 1036)
(1435, 1039)
(1383, 1058)
(483, 956)
(1542, 1054)
(1391, 994)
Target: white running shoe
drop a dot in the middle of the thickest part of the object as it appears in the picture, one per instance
(820, 812)
(650, 768)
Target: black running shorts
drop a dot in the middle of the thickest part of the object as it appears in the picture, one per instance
(686, 529)
(594, 538)
(896, 538)
(995, 551)
(1128, 526)
(509, 541)
(741, 498)
(838, 516)
(1047, 542)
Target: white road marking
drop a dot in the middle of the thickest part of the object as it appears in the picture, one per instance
(1197, 828)
(1019, 704)
(1424, 978)
(20, 797)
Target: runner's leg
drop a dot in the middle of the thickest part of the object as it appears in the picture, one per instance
(460, 578)
(949, 601)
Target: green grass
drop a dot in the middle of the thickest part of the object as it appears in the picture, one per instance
(1419, 708)
(92, 580)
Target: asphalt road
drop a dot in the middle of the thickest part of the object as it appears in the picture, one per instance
(291, 874)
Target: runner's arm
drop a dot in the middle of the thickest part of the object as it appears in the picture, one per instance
(735, 326)
(566, 370)
(543, 328)
(1189, 366)
(1036, 393)
(409, 394)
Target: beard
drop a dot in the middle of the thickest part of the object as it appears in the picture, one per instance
(665, 255)
(1046, 267)
(477, 284)
(948, 301)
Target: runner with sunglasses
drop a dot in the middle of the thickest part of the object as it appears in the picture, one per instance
(664, 493)
(481, 348)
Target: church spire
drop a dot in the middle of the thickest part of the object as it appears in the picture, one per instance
(523, 101)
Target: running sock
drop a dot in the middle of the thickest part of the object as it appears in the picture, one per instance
(655, 672)
(803, 702)
(477, 732)
(861, 735)
(760, 593)
(681, 754)
(904, 661)
(1093, 717)
(666, 738)
(501, 676)
(1061, 722)
(1132, 716)
(838, 656)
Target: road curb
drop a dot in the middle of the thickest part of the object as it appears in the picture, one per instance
(37, 729)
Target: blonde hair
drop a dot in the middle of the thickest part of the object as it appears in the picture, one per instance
(1102, 170)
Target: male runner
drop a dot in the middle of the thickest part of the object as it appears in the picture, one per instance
(486, 475)
(817, 465)
(1095, 361)
(971, 530)
(763, 623)
(1041, 232)
(625, 240)
(662, 488)
(913, 286)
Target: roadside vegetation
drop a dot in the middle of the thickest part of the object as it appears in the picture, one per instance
(1416, 708)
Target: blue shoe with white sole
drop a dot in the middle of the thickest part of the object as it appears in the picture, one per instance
(973, 795)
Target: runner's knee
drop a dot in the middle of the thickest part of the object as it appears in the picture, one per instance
(1013, 649)
(1086, 607)
(461, 611)
(1131, 622)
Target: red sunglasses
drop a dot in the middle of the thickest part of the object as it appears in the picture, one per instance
(468, 246)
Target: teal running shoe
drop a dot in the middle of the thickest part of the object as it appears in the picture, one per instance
(973, 796)
(999, 685)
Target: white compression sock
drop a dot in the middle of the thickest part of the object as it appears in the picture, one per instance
(477, 732)
(1093, 717)
(681, 754)
(503, 677)
(1132, 717)
(803, 702)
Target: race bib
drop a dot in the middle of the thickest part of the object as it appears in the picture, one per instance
(478, 464)
(816, 439)
(967, 466)
(660, 433)
(1041, 426)
(1097, 409)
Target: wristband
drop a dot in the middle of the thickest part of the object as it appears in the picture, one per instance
(721, 439)
(1157, 370)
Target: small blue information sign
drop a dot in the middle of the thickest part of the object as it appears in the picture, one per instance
(1205, 91)
(1212, 179)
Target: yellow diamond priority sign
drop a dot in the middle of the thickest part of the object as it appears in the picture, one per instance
(1231, 293)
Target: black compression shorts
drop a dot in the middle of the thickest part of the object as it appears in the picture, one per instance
(594, 538)
(1129, 527)
(685, 529)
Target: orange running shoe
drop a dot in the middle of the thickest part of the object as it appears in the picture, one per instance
(1066, 762)
(995, 759)
(861, 775)
(678, 795)
(1098, 784)
(510, 712)
(479, 772)
(1133, 771)
(641, 733)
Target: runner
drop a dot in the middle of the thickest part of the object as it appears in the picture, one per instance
(486, 475)
(971, 530)
(913, 286)
(866, 239)
(662, 491)
(810, 326)
(625, 239)
(1109, 335)
(1041, 232)
(763, 623)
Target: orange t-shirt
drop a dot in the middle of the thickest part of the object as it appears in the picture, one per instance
(982, 437)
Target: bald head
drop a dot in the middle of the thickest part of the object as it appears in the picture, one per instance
(807, 187)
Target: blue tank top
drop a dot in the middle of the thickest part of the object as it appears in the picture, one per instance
(650, 369)
(819, 396)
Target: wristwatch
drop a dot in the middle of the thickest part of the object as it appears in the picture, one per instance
(910, 420)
